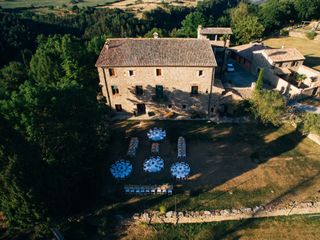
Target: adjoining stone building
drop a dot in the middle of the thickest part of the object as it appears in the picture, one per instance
(285, 71)
(283, 68)
(158, 77)
(219, 37)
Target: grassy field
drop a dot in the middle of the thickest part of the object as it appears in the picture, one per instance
(41, 3)
(223, 175)
(135, 6)
(280, 228)
(310, 49)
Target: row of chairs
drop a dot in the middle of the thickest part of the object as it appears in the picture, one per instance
(147, 190)
(181, 147)
(133, 146)
(155, 148)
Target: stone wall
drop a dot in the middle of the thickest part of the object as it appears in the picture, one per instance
(314, 137)
(176, 82)
(292, 208)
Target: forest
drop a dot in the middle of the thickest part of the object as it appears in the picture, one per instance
(54, 131)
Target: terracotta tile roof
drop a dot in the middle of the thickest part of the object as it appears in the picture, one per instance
(284, 54)
(142, 52)
(236, 94)
(246, 50)
(219, 31)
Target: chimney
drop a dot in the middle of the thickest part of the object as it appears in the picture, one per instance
(106, 45)
(155, 35)
(199, 31)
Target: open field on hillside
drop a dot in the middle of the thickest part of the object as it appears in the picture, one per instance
(223, 173)
(39, 3)
(310, 49)
(139, 6)
(135, 6)
(282, 228)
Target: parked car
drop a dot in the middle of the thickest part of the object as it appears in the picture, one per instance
(230, 67)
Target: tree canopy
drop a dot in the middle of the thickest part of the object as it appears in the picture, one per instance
(54, 110)
(268, 106)
(21, 192)
(246, 26)
(190, 24)
(311, 123)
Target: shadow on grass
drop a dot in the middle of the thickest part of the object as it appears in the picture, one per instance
(312, 61)
(226, 155)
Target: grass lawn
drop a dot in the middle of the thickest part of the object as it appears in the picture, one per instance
(310, 49)
(40, 3)
(280, 228)
(223, 174)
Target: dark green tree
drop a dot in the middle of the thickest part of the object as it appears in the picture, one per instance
(276, 14)
(11, 77)
(22, 190)
(190, 24)
(246, 26)
(311, 123)
(307, 9)
(259, 82)
(268, 106)
(62, 117)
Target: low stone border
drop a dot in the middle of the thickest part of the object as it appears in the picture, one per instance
(314, 137)
(227, 214)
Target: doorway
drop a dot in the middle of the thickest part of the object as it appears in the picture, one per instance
(141, 108)
(315, 91)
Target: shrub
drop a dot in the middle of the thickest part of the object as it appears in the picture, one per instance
(311, 35)
(268, 106)
(162, 209)
(311, 123)
(284, 32)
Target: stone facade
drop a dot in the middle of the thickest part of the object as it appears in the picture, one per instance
(214, 35)
(273, 72)
(177, 83)
(158, 78)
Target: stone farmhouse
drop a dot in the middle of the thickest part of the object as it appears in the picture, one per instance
(283, 69)
(158, 77)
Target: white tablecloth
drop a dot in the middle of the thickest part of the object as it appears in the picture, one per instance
(121, 169)
(153, 164)
(180, 170)
(156, 134)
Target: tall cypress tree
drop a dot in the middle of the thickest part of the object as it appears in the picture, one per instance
(259, 83)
